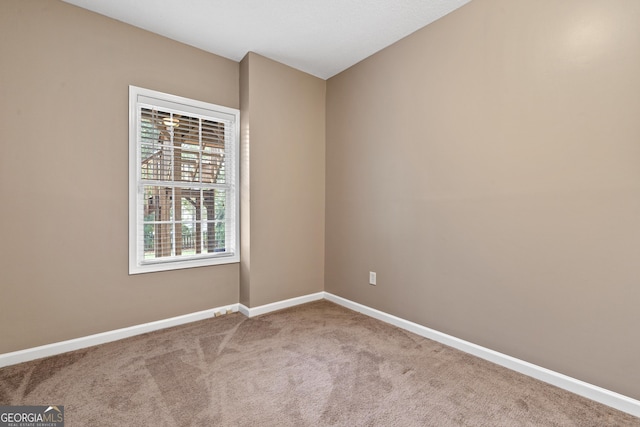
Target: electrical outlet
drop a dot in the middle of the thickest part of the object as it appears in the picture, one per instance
(372, 278)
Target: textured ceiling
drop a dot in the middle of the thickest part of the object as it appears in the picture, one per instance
(320, 37)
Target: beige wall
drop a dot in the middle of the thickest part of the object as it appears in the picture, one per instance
(245, 186)
(63, 173)
(283, 158)
(487, 168)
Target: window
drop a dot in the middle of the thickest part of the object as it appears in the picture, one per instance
(183, 182)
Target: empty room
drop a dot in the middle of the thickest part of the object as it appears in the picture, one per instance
(303, 213)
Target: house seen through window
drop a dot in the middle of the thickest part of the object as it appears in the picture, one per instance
(185, 183)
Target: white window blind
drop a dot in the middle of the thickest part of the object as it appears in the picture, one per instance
(183, 182)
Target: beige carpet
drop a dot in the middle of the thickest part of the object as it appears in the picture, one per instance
(318, 364)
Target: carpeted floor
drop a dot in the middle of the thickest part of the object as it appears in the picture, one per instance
(318, 364)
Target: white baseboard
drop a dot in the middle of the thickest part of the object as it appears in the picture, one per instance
(268, 308)
(105, 337)
(590, 391)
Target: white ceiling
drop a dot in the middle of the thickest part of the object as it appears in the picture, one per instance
(320, 37)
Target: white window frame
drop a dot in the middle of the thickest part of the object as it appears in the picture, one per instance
(139, 97)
